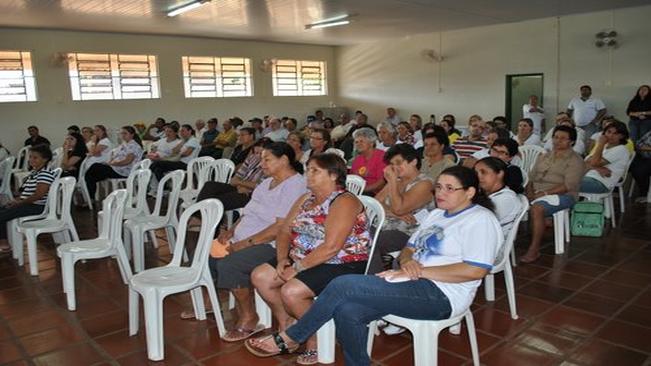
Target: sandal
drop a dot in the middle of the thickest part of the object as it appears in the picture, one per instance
(283, 348)
(527, 260)
(308, 357)
(240, 334)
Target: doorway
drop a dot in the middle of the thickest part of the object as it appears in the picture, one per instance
(518, 89)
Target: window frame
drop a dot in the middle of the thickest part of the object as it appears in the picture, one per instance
(28, 81)
(300, 77)
(217, 76)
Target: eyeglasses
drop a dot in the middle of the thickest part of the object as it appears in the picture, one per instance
(446, 189)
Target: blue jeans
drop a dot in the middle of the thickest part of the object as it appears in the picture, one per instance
(638, 128)
(564, 201)
(591, 185)
(356, 300)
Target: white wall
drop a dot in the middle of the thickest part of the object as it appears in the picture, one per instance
(55, 110)
(472, 79)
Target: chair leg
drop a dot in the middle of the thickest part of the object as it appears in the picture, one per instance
(489, 287)
(123, 263)
(31, 252)
(472, 336)
(559, 241)
(153, 305)
(138, 249)
(86, 195)
(134, 312)
(510, 289)
(197, 303)
(68, 274)
(214, 302)
(426, 345)
(372, 329)
(325, 338)
(263, 310)
(622, 201)
(231, 301)
(513, 261)
(611, 207)
(566, 225)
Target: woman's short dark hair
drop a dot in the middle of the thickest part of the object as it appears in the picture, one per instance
(132, 131)
(450, 119)
(406, 151)
(43, 150)
(407, 126)
(280, 149)
(498, 165)
(332, 163)
(263, 141)
(325, 135)
(74, 128)
(468, 178)
(621, 129)
(189, 128)
(510, 144)
(567, 129)
(172, 126)
(442, 138)
(250, 130)
(527, 120)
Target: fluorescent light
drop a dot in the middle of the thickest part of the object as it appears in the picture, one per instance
(329, 22)
(326, 25)
(185, 8)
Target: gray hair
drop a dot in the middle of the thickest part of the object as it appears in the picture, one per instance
(367, 133)
(387, 126)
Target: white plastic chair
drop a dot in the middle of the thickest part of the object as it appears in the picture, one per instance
(325, 336)
(57, 158)
(221, 170)
(141, 224)
(157, 283)
(561, 230)
(117, 183)
(5, 172)
(355, 184)
(107, 244)
(620, 186)
(81, 183)
(20, 169)
(56, 221)
(607, 200)
(505, 264)
(340, 153)
(529, 155)
(195, 166)
(425, 334)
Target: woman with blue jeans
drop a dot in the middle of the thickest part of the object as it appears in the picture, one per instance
(639, 110)
(441, 268)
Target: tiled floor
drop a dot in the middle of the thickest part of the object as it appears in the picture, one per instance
(591, 306)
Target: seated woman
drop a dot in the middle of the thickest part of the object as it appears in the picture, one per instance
(592, 142)
(387, 135)
(557, 174)
(369, 162)
(122, 160)
(185, 150)
(434, 160)
(525, 134)
(405, 133)
(100, 152)
(166, 147)
(406, 196)
(324, 236)
(248, 244)
(296, 141)
(237, 193)
(448, 123)
(608, 163)
(416, 124)
(641, 166)
(87, 133)
(319, 143)
(507, 151)
(74, 152)
(563, 119)
(441, 269)
(33, 192)
(493, 175)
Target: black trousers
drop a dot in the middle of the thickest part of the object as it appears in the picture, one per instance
(9, 213)
(641, 170)
(97, 173)
(231, 199)
(159, 168)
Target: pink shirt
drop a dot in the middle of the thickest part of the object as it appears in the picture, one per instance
(372, 169)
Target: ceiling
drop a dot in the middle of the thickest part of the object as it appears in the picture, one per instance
(284, 20)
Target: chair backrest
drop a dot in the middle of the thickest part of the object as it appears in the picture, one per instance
(336, 151)
(53, 199)
(525, 177)
(195, 166)
(113, 208)
(5, 172)
(57, 158)
(628, 165)
(529, 155)
(222, 170)
(355, 184)
(142, 164)
(137, 186)
(22, 158)
(375, 217)
(510, 237)
(211, 213)
(59, 205)
(176, 179)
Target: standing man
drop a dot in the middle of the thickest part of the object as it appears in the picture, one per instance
(392, 117)
(586, 111)
(536, 113)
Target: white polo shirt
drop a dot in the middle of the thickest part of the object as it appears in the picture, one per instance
(585, 111)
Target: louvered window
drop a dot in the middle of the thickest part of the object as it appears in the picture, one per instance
(96, 76)
(17, 82)
(299, 78)
(216, 77)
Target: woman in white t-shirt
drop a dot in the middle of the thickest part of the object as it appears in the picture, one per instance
(186, 149)
(609, 160)
(166, 148)
(492, 173)
(100, 151)
(122, 160)
(525, 134)
(442, 267)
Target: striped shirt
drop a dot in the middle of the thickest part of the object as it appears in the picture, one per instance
(36, 177)
(465, 148)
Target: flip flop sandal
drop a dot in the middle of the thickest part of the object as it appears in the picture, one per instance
(189, 314)
(283, 349)
(240, 334)
(308, 357)
(528, 261)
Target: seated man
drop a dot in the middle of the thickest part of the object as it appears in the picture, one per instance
(493, 134)
(156, 130)
(34, 137)
(467, 145)
(208, 138)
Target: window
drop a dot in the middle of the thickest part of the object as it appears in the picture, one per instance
(17, 82)
(216, 77)
(298, 78)
(96, 76)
